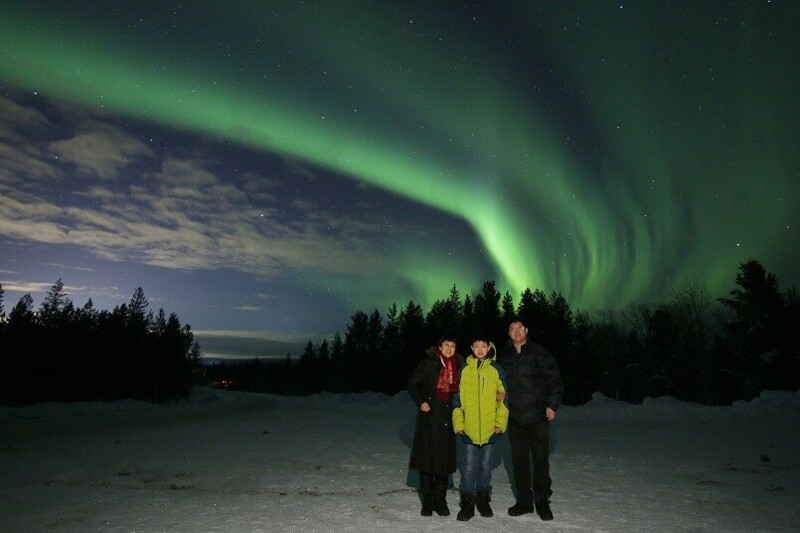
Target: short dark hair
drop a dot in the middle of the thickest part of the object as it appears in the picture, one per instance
(447, 337)
(516, 318)
(480, 336)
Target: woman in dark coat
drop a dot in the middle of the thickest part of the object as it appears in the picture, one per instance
(431, 386)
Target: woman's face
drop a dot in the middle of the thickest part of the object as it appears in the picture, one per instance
(448, 348)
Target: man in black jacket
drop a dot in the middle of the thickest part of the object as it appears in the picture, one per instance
(534, 396)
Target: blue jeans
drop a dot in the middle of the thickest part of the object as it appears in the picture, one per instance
(476, 472)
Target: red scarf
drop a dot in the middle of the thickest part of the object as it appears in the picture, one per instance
(448, 378)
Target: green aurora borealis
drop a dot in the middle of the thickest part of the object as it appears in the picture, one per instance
(610, 152)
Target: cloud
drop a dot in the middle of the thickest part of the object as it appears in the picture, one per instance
(278, 336)
(69, 267)
(259, 189)
(263, 296)
(41, 287)
(30, 218)
(24, 286)
(184, 213)
(248, 308)
(22, 163)
(17, 120)
(102, 152)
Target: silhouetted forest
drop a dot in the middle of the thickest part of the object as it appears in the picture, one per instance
(691, 347)
(60, 353)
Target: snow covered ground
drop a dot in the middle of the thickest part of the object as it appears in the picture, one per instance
(228, 461)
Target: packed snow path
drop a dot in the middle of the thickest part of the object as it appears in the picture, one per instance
(228, 461)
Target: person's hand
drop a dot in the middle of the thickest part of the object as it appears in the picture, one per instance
(425, 407)
(460, 432)
(501, 396)
(550, 414)
(497, 431)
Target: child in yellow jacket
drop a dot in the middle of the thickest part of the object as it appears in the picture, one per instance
(480, 416)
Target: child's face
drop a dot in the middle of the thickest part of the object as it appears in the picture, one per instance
(480, 349)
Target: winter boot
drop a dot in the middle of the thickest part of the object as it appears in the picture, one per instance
(519, 509)
(467, 507)
(439, 496)
(426, 494)
(543, 509)
(482, 500)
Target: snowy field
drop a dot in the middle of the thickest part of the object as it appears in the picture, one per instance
(239, 462)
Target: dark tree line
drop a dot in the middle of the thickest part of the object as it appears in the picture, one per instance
(691, 347)
(63, 353)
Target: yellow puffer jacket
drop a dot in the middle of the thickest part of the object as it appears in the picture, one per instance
(476, 409)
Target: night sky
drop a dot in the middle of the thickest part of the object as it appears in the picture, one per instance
(271, 167)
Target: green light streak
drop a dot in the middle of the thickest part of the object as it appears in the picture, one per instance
(360, 96)
(115, 81)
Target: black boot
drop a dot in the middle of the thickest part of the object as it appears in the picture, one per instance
(426, 494)
(482, 500)
(439, 496)
(467, 507)
(543, 509)
(519, 509)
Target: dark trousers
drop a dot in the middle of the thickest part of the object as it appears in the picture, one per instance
(530, 440)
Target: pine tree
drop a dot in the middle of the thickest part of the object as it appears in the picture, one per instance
(324, 354)
(413, 340)
(507, 312)
(307, 369)
(534, 311)
(22, 313)
(760, 326)
(376, 368)
(137, 310)
(355, 355)
(55, 305)
(487, 312)
(392, 349)
(443, 318)
(560, 325)
(468, 325)
(334, 381)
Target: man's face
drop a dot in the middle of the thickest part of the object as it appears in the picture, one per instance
(480, 349)
(518, 332)
(448, 348)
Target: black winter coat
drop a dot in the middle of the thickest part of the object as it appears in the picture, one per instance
(434, 448)
(534, 382)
